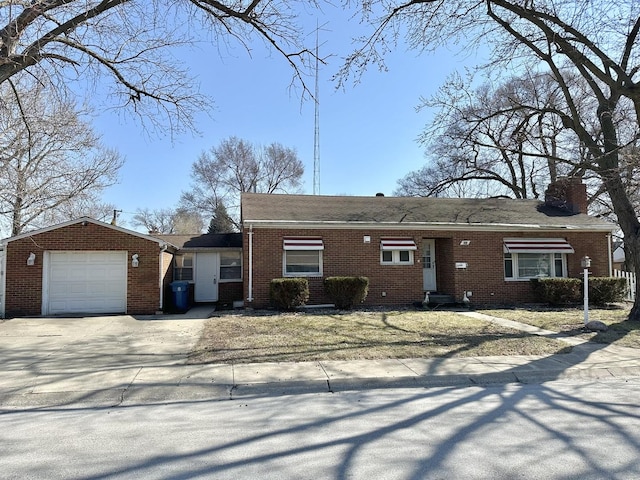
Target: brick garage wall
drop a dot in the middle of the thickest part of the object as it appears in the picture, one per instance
(24, 283)
(346, 253)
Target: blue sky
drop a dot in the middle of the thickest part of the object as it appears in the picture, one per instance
(368, 131)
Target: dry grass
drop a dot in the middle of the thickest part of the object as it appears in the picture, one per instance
(268, 337)
(571, 322)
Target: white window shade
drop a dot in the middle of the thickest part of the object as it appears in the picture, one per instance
(537, 245)
(397, 244)
(303, 243)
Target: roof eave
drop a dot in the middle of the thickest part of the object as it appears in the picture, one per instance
(31, 233)
(314, 224)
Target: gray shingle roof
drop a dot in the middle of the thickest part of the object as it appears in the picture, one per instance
(306, 209)
(207, 240)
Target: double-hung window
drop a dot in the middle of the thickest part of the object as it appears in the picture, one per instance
(183, 267)
(302, 257)
(535, 258)
(397, 251)
(231, 265)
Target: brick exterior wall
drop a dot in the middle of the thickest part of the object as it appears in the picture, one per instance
(24, 283)
(229, 292)
(345, 253)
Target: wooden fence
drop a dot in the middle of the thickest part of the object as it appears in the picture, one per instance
(631, 283)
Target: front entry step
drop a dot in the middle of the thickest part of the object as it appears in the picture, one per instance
(440, 299)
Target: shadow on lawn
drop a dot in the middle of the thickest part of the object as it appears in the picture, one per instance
(405, 429)
(339, 440)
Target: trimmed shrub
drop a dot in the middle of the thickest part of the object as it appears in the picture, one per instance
(603, 290)
(345, 292)
(288, 293)
(564, 291)
(557, 291)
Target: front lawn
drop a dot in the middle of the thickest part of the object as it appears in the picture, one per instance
(571, 322)
(245, 337)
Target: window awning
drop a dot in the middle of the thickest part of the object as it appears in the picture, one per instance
(537, 245)
(303, 243)
(397, 244)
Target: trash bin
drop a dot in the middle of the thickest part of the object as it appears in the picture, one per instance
(180, 291)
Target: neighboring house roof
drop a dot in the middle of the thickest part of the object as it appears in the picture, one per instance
(84, 220)
(203, 241)
(320, 211)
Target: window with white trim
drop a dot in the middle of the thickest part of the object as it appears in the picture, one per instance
(230, 266)
(397, 251)
(526, 258)
(302, 257)
(183, 267)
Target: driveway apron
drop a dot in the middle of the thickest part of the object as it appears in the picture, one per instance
(56, 355)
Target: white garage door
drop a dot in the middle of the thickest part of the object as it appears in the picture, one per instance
(86, 282)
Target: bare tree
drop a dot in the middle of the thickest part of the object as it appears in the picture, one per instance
(51, 161)
(498, 139)
(168, 221)
(129, 43)
(235, 166)
(596, 41)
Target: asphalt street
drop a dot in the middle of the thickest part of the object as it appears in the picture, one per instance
(555, 430)
(114, 398)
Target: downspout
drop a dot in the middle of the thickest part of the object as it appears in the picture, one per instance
(163, 249)
(3, 269)
(610, 254)
(250, 286)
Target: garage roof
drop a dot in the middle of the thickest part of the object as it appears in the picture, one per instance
(83, 220)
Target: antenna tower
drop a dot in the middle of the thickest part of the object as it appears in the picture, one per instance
(316, 134)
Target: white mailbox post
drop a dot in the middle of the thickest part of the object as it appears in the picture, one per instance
(586, 263)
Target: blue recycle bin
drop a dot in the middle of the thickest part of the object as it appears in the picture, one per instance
(180, 291)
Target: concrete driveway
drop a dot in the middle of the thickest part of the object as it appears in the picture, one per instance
(71, 357)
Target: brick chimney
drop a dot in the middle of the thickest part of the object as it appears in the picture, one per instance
(568, 193)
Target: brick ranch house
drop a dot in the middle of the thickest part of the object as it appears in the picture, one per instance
(87, 266)
(487, 249)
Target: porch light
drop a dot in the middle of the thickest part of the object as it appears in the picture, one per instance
(31, 260)
(134, 260)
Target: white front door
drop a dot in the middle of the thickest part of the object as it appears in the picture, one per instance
(206, 281)
(429, 265)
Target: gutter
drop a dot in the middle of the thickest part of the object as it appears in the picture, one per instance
(437, 226)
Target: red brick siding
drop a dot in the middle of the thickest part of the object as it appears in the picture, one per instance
(345, 253)
(24, 283)
(229, 292)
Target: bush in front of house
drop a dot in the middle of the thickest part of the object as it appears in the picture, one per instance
(345, 292)
(288, 293)
(557, 291)
(603, 290)
(566, 291)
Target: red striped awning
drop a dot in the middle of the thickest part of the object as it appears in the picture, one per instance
(303, 243)
(537, 245)
(397, 244)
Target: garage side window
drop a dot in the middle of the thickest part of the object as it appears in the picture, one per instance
(231, 266)
(183, 267)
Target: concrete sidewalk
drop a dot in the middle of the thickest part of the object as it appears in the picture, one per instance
(156, 372)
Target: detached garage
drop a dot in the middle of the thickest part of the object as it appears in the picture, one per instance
(83, 266)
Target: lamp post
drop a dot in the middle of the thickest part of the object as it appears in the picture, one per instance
(586, 263)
